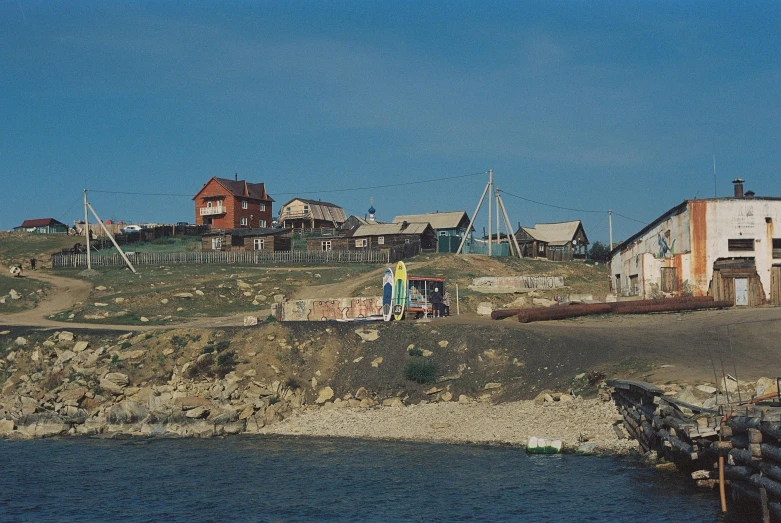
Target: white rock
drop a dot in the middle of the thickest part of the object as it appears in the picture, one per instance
(250, 321)
(183, 295)
(765, 385)
(325, 394)
(144, 319)
(6, 426)
(368, 334)
(14, 295)
(485, 308)
(80, 346)
(65, 336)
(21, 341)
(443, 343)
(376, 362)
(707, 389)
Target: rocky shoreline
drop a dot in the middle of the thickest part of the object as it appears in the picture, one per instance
(62, 386)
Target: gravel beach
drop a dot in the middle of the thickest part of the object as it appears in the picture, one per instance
(511, 423)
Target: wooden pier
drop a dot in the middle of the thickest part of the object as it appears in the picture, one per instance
(736, 448)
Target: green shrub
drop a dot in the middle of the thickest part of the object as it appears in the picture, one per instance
(226, 362)
(415, 352)
(125, 345)
(420, 371)
(208, 349)
(179, 342)
(222, 345)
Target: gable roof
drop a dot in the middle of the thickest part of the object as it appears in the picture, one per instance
(559, 233)
(241, 189)
(382, 229)
(40, 222)
(320, 210)
(438, 220)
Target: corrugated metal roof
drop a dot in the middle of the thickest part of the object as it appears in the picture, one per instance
(438, 220)
(381, 229)
(553, 233)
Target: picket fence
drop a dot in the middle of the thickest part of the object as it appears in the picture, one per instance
(235, 258)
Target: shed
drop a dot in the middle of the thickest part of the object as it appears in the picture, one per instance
(377, 236)
(273, 240)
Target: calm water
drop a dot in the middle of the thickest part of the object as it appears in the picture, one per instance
(297, 479)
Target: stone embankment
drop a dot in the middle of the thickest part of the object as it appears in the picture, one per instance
(63, 386)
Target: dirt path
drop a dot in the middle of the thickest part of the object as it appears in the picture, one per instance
(345, 288)
(64, 293)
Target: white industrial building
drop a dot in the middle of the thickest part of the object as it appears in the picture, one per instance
(723, 247)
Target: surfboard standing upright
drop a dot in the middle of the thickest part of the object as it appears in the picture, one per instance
(387, 295)
(399, 291)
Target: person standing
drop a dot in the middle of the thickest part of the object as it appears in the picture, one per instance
(32, 263)
(446, 303)
(436, 302)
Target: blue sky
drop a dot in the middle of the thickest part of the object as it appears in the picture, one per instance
(587, 106)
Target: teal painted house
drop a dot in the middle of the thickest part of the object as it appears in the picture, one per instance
(449, 227)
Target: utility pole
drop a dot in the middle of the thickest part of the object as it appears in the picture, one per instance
(477, 210)
(513, 240)
(610, 219)
(86, 232)
(490, 198)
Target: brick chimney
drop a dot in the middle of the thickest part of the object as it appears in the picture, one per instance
(738, 182)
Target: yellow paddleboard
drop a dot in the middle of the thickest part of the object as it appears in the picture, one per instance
(399, 291)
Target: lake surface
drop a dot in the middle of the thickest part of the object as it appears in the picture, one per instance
(274, 479)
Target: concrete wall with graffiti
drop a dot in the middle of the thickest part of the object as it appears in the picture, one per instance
(511, 284)
(328, 309)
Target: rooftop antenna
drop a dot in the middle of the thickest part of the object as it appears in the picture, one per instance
(715, 195)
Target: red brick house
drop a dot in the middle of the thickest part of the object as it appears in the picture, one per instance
(233, 204)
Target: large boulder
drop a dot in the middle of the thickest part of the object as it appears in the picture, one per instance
(114, 382)
(127, 412)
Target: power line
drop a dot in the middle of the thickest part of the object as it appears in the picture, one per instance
(568, 208)
(402, 184)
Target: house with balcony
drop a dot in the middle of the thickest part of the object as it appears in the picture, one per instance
(300, 213)
(233, 204)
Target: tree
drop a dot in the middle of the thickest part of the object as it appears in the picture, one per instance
(599, 252)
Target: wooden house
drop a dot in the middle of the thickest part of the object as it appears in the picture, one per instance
(274, 240)
(299, 213)
(377, 236)
(231, 204)
(563, 241)
(449, 227)
(42, 226)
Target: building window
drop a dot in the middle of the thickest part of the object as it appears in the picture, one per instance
(618, 284)
(258, 244)
(669, 279)
(443, 233)
(243, 221)
(217, 243)
(287, 209)
(361, 243)
(634, 285)
(740, 244)
(306, 209)
(380, 240)
(208, 204)
(326, 245)
(262, 206)
(406, 240)
(776, 247)
(244, 204)
(262, 223)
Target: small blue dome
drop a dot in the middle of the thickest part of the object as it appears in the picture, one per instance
(371, 210)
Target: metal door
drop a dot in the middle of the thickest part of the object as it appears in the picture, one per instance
(741, 291)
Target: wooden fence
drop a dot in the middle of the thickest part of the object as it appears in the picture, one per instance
(239, 257)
